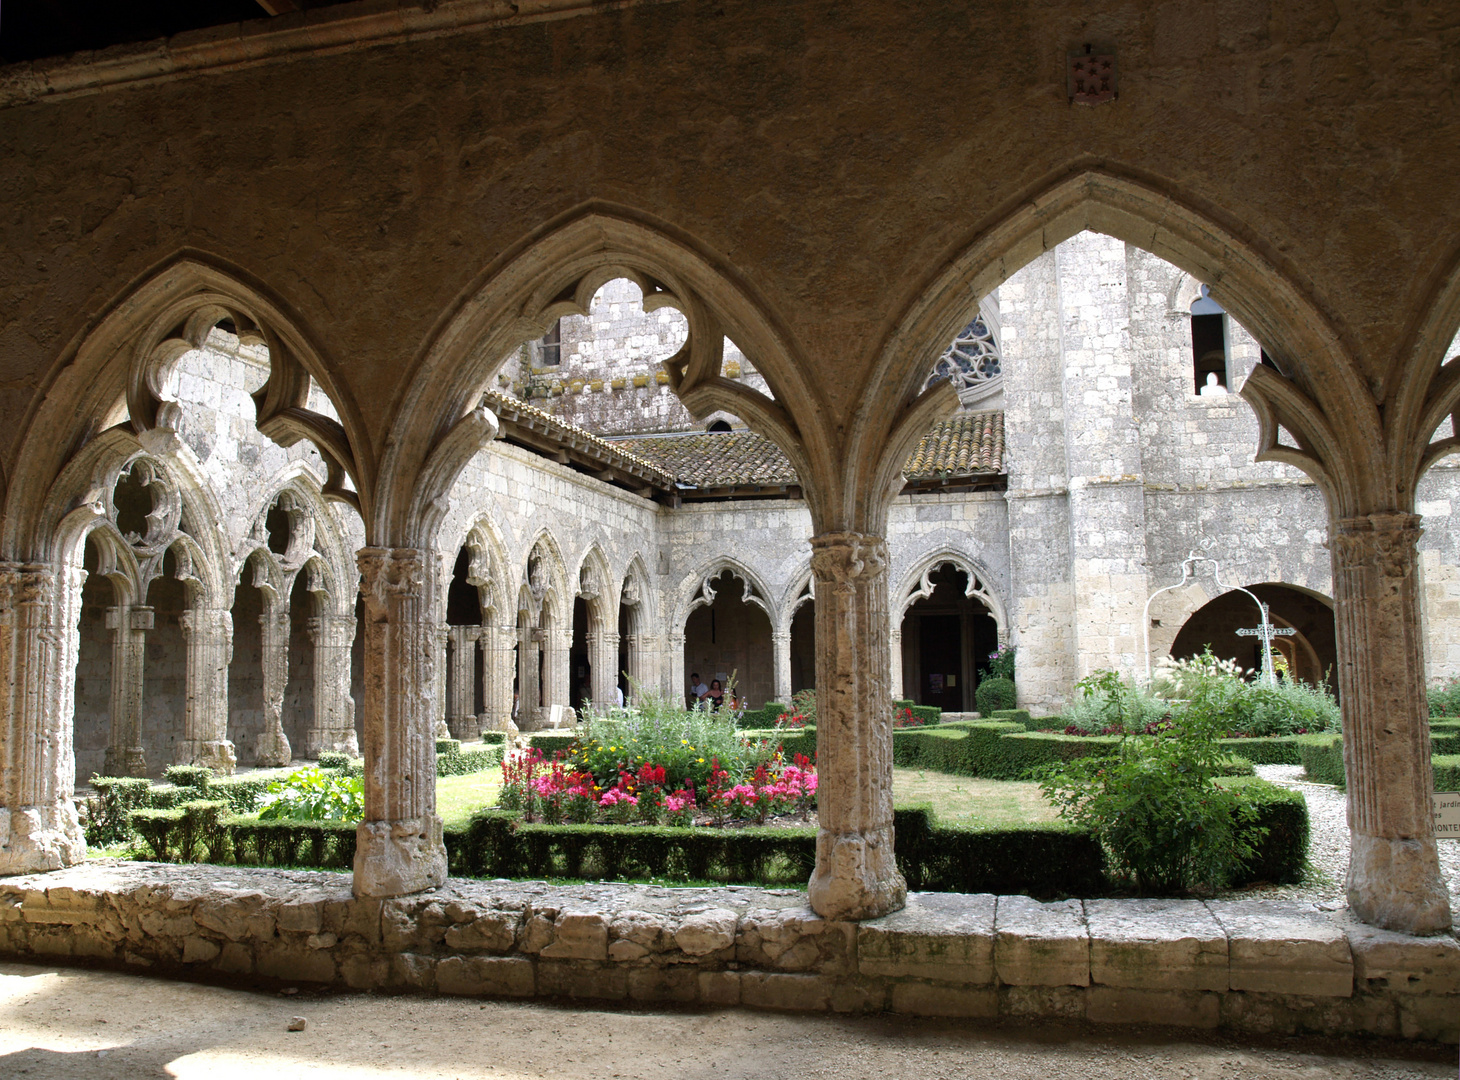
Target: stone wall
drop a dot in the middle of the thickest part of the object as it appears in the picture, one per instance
(1246, 965)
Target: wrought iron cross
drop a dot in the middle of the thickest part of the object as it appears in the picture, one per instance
(1267, 631)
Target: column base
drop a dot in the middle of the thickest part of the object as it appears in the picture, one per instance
(397, 858)
(218, 755)
(856, 876)
(129, 762)
(274, 751)
(1396, 885)
(464, 728)
(34, 839)
(330, 742)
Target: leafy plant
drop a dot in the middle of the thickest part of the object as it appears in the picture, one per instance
(803, 702)
(994, 693)
(1109, 705)
(1001, 663)
(1160, 816)
(312, 794)
(1445, 698)
(1289, 707)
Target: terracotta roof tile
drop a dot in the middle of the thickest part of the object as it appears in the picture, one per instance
(611, 453)
(968, 444)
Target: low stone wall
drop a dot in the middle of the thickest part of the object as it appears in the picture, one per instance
(1245, 965)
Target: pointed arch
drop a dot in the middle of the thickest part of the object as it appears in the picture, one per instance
(1318, 392)
(696, 591)
(322, 540)
(1427, 393)
(554, 272)
(915, 585)
(636, 590)
(115, 374)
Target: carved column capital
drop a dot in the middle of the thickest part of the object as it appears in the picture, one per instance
(844, 559)
(387, 572)
(1385, 542)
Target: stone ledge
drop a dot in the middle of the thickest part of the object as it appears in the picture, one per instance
(1246, 965)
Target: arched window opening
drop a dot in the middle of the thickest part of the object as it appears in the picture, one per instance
(718, 426)
(1310, 655)
(730, 636)
(803, 648)
(945, 635)
(298, 711)
(246, 713)
(1209, 343)
(279, 528)
(94, 672)
(580, 663)
(165, 673)
(133, 502)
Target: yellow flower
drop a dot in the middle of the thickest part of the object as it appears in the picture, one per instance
(702, 761)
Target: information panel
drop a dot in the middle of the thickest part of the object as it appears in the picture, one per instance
(1447, 815)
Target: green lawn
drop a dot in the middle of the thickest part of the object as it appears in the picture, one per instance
(959, 800)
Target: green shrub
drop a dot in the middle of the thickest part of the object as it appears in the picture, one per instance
(188, 776)
(1275, 750)
(899, 704)
(1278, 834)
(1322, 757)
(1107, 703)
(804, 703)
(329, 845)
(312, 794)
(334, 761)
(494, 738)
(463, 762)
(1160, 816)
(159, 829)
(1447, 772)
(109, 811)
(1251, 709)
(1038, 860)
(928, 714)
(244, 794)
(199, 836)
(1445, 699)
(994, 694)
(994, 749)
(764, 717)
(552, 742)
(1018, 716)
(1001, 663)
(1444, 736)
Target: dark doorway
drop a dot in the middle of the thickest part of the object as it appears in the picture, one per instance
(1311, 654)
(580, 668)
(946, 637)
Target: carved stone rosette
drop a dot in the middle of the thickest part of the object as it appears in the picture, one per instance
(1394, 877)
(856, 875)
(39, 609)
(399, 847)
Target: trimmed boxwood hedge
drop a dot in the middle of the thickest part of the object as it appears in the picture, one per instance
(994, 749)
(1041, 860)
(1447, 772)
(1018, 716)
(1322, 758)
(1282, 855)
(764, 717)
(1445, 736)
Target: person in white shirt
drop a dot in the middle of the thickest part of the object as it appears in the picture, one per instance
(698, 691)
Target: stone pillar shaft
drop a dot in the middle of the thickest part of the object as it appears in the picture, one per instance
(856, 875)
(461, 717)
(500, 670)
(39, 643)
(273, 746)
(894, 660)
(1394, 877)
(334, 709)
(129, 626)
(603, 662)
(208, 634)
(529, 690)
(781, 663)
(399, 846)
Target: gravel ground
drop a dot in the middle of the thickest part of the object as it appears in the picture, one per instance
(1328, 845)
(58, 1024)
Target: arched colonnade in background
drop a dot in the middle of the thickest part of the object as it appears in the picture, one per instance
(1365, 444)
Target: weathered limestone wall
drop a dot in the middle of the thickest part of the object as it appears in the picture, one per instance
(1247, 965)
(609, 379)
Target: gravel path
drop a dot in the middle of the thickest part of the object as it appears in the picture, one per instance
(1328, 845)
(59, 1024)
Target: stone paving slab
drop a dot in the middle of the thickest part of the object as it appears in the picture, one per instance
(1285, 948)
(1156, 945)
(948, 937)
(1041, 944)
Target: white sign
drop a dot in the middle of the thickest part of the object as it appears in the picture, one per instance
(1447, 815)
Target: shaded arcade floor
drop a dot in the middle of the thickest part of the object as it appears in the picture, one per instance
(76, 1025)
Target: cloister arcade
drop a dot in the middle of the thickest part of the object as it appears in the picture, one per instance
(379, 355)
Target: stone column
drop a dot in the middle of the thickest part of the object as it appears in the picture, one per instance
(633, 659)
(498, 672)
(399, 847)
(129, 626)
(672, 674)
(441, 637)
(1394, 877)
(894, 665)
(529, 688)
(557, 675)
(856, 876)
(208, 634)
(334, 709)
(274, 750)
(603, 660)
(39, 643)
(781, 663)
(461, 717)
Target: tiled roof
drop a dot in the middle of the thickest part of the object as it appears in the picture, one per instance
(559, 430)
(968, 444)
(962, 445)
(716, 459)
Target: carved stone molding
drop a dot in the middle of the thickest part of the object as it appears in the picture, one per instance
(1385, 542)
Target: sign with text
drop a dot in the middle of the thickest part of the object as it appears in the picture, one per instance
(1447, 815)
